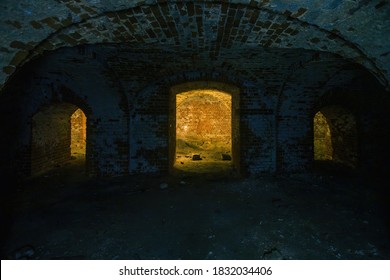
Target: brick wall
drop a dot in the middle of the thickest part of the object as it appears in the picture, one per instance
(28, 30)
(343, 134)
(204, 123)
(51, 137)
(78, 133)
(323, 148)
(125, 94)
(51, 82)
(225, 130)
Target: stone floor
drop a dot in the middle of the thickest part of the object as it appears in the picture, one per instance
(66, 215)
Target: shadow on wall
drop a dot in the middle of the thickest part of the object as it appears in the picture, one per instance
(58, 135)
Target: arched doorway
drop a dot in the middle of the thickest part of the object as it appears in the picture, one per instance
(335, 136)
(323, 148)
(58, 135)
(78, 135)
(204, 130)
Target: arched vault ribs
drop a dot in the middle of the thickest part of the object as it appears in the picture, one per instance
(176, 25)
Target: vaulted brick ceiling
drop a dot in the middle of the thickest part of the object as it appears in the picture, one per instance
(358, 30)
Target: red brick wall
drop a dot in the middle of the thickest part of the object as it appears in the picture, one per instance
(126, 98)
(51, 137)
(78, 122)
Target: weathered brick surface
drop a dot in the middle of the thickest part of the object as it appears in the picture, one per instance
(51, 137)
(353, 29)
(78, 132)
(48, 84)
(125, 94)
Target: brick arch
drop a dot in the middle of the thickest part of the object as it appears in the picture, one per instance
(368, 103)
(346, 85)
(62, 100)
(228, 88)
(337, 96)
(155, 26)
(294, 95)
(43, 82)
(336, 78)
(66, 95)
(69, 96)
(343, 132)
(51, 137)
(303, 88)
(308, 89)
(152, 102)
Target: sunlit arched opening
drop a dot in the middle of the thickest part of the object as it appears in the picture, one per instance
(335, 136)
(58, 135)
(78, 134)
(204, 130)
(323, 148)
(203, 125)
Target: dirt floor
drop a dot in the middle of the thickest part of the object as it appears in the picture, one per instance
(64, 214)
(185, 166)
